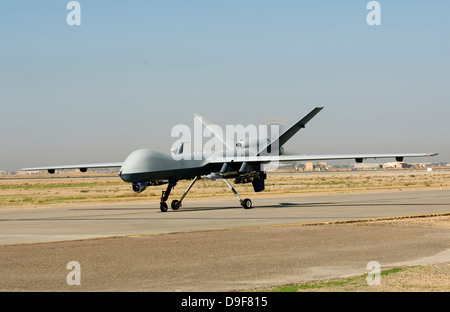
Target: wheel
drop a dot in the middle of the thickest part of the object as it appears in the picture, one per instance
(247, 203)
(163, 207)
(176, 204)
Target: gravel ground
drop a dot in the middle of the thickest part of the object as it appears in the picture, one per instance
(419, 278)
(425, 278)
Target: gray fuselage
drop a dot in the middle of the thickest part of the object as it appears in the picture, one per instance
(150, 165)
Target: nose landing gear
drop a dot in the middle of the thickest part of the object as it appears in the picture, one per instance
(165, 195)
(176, 204)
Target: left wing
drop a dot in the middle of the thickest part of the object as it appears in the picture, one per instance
(358, 157)
(81, 167)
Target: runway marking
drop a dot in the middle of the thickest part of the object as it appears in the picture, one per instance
(349, 221)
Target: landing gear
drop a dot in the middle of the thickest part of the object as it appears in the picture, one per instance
(246, 203)
(176, 204)
(163, 207)
(165, 195)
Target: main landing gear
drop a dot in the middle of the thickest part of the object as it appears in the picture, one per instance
(176, 204)
(246, 203)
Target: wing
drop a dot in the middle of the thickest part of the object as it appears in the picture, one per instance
(358, 157)
(289, 133)
(81, 167)
(244, 166)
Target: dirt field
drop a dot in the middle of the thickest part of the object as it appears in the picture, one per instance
(419, 278)
(425, 278)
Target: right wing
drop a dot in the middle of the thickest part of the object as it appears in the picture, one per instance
(81, 167)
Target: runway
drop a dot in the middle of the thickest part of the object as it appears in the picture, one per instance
(34, 225)
(85, 222)
(216, 245)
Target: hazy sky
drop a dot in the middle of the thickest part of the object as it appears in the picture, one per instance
(134, 69)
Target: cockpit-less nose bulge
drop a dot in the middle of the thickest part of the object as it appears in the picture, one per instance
(242, 162)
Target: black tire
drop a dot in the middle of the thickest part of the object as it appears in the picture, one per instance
(176, 204)
(247, 203)
(163, 207)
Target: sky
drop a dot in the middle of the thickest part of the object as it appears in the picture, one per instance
(133, 70)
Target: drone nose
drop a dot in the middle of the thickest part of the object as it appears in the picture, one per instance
(136, 164)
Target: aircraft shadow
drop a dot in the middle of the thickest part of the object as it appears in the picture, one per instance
(310, 205)
(271, 206)
(186, 210)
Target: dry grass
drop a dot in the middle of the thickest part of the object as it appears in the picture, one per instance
(424, 278)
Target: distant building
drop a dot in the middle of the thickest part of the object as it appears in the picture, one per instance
(365, 166)
(309, 166)
(439, 164)
(396, 165)
(20, 172)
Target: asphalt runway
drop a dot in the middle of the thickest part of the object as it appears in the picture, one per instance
(215, 245)
(19, 226)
